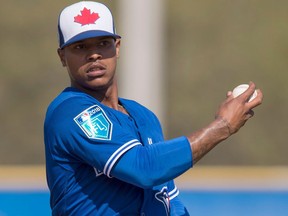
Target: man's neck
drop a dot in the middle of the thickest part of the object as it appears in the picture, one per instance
(107, 96)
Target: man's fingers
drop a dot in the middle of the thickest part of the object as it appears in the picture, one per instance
(249, 114)
(257, 100)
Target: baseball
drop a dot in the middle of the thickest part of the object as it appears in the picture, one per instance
(240, 89)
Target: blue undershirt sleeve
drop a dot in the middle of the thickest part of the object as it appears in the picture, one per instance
(147, 166)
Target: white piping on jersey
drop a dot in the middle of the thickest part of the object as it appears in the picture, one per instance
(117, 154)
(173, 193)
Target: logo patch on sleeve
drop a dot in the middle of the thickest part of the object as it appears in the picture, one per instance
(95, 123)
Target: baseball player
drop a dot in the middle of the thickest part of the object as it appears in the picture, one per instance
(106, 155)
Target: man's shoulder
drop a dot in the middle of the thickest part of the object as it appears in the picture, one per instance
(71, 101)
(70, 95)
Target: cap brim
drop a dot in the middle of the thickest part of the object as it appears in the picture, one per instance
(89, 34)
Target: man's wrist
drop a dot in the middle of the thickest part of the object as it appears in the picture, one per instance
(222, 123)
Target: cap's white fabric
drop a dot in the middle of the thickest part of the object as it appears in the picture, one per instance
(83, 20)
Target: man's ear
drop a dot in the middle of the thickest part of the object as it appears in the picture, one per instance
(118, 43)
(61, 54)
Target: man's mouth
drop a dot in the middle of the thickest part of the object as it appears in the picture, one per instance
(96, 70)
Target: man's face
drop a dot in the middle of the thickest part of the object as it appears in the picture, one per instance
(91, 63)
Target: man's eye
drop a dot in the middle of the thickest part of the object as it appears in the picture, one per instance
(104, 43)
(80, 46)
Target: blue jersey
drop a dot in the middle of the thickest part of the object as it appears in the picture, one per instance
(100, 161)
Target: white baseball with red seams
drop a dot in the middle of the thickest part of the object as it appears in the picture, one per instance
(240, 89)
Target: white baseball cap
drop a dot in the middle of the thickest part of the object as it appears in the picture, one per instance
(85, 19)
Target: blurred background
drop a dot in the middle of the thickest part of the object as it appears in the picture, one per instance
(206, 48)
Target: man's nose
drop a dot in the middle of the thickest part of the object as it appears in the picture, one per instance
(94, 55)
